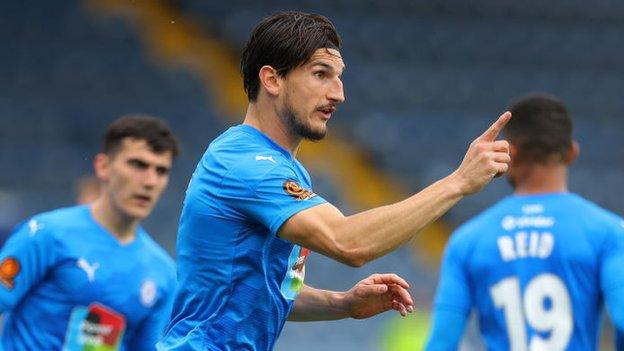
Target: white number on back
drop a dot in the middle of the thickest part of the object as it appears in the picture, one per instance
(557, 319)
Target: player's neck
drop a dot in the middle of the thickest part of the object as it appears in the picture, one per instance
(266, 120)
(122, 227)
(541, 179)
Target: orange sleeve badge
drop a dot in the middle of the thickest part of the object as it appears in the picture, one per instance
(295, 190)
(9, 269)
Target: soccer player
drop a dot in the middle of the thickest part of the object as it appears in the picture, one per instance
(250, 216)
(538, 265)
(89, 277)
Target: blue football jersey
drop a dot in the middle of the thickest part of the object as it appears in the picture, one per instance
(237, 278)
(67, 283)
(536, 268)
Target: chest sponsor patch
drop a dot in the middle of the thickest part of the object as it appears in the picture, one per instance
(94, 328)
(295, 275)
(295, 190)
(9, 269)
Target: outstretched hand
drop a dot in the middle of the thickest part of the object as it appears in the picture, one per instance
(485, 159)
(379, 293)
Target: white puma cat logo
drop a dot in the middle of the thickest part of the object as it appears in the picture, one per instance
(89, 269)
(34, 227)
(265, 158)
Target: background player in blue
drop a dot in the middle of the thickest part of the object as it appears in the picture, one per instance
(89, 277)
(250, 216)
(538, 265)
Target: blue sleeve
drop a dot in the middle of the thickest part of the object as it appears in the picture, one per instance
(270, 199)
(612, 277)
(452, 303)
(446, 330)
(152, 328)
(24, 260)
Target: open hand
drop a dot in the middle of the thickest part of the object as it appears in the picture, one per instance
(379, 293)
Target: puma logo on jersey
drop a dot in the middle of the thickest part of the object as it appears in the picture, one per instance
(265, 158)
(34, 227)
(89, 269)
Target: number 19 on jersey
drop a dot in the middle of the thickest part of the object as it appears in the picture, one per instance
(545, 306)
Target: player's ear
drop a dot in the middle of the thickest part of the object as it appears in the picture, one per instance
(573, 152)
(102, 165)
(270, 80)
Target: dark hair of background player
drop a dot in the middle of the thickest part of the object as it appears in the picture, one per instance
(153, 130)
(541, 129)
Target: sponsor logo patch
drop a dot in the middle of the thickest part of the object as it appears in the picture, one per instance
(295, 190)
(293, 281)
(94, 328)
(9, 269)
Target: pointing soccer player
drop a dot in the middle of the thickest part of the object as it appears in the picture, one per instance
(538, 265)
(250, 216)
(89, 277)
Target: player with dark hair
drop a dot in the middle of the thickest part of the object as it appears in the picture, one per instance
(89, 277)
(538, 265)
(250, 217)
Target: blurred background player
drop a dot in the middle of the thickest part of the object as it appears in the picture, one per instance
(250, 216)
(88, 189)
(90, 277)
(538, 265)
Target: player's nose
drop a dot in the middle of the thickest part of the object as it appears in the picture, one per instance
(336, 92)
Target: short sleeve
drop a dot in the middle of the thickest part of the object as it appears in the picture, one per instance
(24, 260)
(270, 198)
(453, 289)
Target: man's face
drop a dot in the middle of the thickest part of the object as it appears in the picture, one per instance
(311, 93)
(135, 177)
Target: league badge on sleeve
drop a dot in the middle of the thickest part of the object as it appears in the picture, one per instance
(292, 188)
(9, 269)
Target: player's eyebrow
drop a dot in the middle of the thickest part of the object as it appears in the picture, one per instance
(328, 66)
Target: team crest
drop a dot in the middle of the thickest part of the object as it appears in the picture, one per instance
(295, 190)
(9, 269)
(148, 293)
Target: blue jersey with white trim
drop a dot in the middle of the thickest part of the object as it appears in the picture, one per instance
(537, 269)
(237, 278)
(67, 283)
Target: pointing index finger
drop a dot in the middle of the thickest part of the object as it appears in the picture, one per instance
(491, 133)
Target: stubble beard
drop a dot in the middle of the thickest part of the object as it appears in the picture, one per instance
(297, 126)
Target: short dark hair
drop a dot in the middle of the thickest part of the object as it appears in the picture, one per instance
(540, 127)
(284, 40)
(136, 126)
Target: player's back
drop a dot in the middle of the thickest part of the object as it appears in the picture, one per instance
(533, 266)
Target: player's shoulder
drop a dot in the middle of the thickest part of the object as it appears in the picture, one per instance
(598, 217)
(56, 223)
(244, 152)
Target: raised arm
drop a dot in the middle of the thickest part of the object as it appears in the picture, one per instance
(362, 237)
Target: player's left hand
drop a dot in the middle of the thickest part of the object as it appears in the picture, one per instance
(379, 293)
